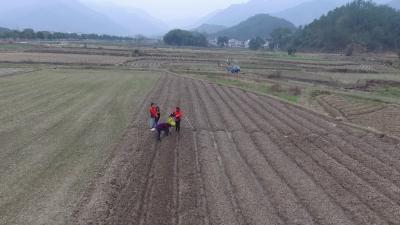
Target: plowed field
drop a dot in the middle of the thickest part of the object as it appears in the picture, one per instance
(249, 159)
(380, 116)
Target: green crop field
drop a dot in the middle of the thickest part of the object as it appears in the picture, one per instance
(57, 128)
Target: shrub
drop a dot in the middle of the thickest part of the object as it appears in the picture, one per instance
(296, 91)
(292, 51)
(276, 88)
(349, 50)
(136, 52)
(275, 75)
(256, 43)
(179, 37)
(317, 93)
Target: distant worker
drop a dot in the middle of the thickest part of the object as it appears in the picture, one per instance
(178, 114)
(153, 116)
(164, 127)
(158, 115)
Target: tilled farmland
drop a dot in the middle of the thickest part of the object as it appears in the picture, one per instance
(383, 117)
(243, 158)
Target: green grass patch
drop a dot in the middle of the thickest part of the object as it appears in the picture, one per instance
(298, 56)
(258, 87)
(393, 92)
(15, 46)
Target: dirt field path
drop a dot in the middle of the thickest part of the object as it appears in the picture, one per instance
(249, 160)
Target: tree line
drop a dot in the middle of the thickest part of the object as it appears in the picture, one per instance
(180, 37)
(30, 34)
(361, 24)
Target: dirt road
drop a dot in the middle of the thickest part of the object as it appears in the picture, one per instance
(250, 160)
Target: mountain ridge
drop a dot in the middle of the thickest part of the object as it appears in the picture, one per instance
(209, 28)
(260, 25)
(237, 13)
(74, 16)
(307, 12)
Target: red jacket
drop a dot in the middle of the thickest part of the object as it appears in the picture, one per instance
(178, 115)
(153, 112)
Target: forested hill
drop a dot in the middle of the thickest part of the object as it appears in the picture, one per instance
(2, 29)
(360, 23)
(209, 28)
(260, 25)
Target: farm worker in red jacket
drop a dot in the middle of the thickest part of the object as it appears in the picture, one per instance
(178, 117)
(153, 116)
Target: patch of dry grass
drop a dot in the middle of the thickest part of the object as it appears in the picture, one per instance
(57, 128)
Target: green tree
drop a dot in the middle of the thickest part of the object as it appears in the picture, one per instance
(281, 37)
(28, 34)
(256, 43)
(44, 35)
(222, 41)
(179, 37)
(360, 23)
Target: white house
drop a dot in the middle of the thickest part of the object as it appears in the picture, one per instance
(266, 45)
(247, 44)
(233, 43)
(213, 42)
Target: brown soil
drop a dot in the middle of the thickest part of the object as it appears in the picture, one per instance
(250, 159)
(26, 57)
(371, 85)
(380, 116)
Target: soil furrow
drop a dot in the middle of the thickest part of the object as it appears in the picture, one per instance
(102, 204)
(256, 207)
(239, 115)
(213, 115)
(190, 197)
(160, 201)
(210, 112)
(347, 149)
(222, 103)
(199, 118)
(372, 157)
(249, 159)
(219, 201)
(349, 157)
(337, 170)
(131, 200)
(283, 197)
(380, 203)
(352, 205)
(230, 121)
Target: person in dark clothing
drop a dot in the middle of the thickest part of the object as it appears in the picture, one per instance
(164, 127)
(158, 115)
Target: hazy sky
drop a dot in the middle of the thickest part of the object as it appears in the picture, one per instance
(174, 9)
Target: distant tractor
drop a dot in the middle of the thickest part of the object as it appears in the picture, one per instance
(233, 69)
(232, 66)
